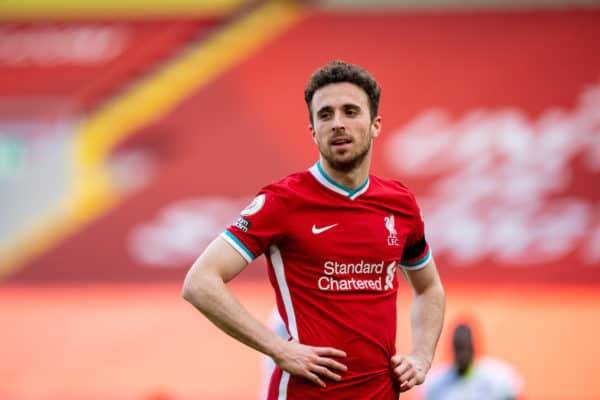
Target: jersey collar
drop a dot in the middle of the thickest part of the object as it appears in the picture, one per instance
(320, 175)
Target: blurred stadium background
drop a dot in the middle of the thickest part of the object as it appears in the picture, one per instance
(132, 132)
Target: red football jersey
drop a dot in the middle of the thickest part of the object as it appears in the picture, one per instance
(333, 254)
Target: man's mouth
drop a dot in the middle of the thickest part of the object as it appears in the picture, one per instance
(340, 141)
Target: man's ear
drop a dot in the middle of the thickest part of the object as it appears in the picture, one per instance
(312, 131)
(376, 126)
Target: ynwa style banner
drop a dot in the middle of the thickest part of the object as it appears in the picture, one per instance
(491, 118)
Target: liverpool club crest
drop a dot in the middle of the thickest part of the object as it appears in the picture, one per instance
(390, 225)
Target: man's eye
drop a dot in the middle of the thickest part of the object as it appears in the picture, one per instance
(351, 112)
(324, 115)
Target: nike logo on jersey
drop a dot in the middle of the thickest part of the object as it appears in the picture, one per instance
(316, 230)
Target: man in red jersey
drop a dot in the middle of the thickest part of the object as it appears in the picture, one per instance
(334, 237)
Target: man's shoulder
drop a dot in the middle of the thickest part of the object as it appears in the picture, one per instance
(275, 198)
(389, 183)
(390, 187)
(285, 191)
(288, 184)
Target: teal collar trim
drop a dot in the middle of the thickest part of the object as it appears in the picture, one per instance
(320, 175)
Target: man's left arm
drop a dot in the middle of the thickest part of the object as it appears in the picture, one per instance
(427, 319)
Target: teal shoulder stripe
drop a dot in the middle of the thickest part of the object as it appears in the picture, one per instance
(239, 245)
(419, 262)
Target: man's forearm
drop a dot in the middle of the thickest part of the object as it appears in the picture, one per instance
(205, 288)
(210, 296)
(427, 320)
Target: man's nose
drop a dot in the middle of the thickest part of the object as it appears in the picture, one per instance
(338, 121)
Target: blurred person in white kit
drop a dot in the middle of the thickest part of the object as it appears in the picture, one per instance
(471, 378)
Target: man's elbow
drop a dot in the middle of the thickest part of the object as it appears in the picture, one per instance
(439, 288)
(187, 291)
(192, 286)
(434, 293)
(437, 291)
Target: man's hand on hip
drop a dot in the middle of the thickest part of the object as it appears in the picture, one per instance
(312, 363)
(409, 370)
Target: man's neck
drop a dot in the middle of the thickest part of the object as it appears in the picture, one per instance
(350, 179)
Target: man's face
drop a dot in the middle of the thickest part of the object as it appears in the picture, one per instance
(342, 127)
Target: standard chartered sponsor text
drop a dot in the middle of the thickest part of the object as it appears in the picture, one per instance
(361, 267)
(332, 269)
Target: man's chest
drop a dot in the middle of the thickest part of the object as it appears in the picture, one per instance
(344, 248)
(347, 231)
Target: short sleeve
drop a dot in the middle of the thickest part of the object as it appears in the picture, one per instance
(416, 252)
(257, 226)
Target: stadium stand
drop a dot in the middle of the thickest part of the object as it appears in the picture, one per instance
(121, 160)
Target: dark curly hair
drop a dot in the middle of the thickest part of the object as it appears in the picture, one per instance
(339, 71)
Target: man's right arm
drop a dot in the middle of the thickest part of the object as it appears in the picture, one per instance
(205, 288)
